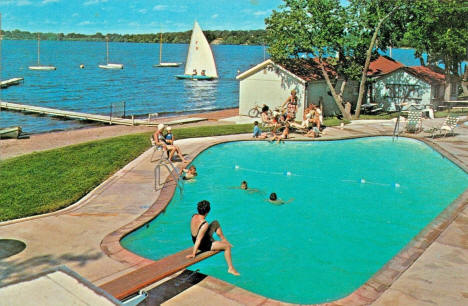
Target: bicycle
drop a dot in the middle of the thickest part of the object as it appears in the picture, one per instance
(255, 111)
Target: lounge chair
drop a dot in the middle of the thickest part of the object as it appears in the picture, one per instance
(447, 127)
(157, 149)
(414, 123)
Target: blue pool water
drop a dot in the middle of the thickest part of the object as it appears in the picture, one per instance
(356, 204)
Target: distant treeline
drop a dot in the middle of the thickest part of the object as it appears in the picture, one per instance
(253, 37)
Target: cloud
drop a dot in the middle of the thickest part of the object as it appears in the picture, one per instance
(159, 7)
(49, 1)
(261, 13)
(214, 16)
(86, 22)
(143, 11)
(92, 2)
(75, 15)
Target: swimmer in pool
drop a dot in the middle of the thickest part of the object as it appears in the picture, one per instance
(275, 201)
(191, 173)
(244, 186)
(202, 236)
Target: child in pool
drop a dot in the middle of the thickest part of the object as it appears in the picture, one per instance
(191, 173)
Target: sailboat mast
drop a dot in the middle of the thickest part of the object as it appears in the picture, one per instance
(38, 49)
(160, 47)
(107, 50)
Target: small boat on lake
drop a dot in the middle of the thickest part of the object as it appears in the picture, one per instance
(200, 64)
(110, 65)
(10, 132)
(39, 66)
(164, 64)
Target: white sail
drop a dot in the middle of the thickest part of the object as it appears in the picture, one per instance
(200, 57)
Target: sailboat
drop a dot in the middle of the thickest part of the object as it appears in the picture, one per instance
(164, 64)
(200, 63)
(39, 66)
(109, 65)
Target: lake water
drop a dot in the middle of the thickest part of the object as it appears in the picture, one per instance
(143, 88)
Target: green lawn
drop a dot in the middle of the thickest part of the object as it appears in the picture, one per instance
(47, 181)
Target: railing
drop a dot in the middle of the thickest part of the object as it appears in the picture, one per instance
(173, 171)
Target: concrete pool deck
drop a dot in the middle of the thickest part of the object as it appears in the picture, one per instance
(74, 236)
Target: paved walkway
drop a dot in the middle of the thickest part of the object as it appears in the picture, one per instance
(73, 236)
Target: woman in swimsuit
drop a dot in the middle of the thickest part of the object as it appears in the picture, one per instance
(291, 105)
(202, 236)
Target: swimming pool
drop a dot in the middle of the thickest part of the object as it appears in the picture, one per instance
(356, 204)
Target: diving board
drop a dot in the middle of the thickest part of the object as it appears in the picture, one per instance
(132, 282)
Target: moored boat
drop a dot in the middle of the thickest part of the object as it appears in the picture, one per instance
(10, 132)
(39, 66)
(161, 63)
(109, 65)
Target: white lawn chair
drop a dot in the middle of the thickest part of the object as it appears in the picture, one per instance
(158, 149)
(446, 128)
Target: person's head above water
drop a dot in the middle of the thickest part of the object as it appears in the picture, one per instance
(244, 185)
(203, 207)
(273, 196)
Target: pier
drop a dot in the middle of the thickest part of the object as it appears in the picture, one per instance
(11, 82)
(85, 116)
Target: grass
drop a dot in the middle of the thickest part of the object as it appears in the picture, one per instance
(47, 181)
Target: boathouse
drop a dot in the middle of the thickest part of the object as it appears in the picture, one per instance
(270, 83)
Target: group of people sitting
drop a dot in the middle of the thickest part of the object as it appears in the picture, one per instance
(284, 119)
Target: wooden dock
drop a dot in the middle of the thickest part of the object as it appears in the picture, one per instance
(11, 82)
(84, 116)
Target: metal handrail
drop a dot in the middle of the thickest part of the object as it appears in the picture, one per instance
(173, 171)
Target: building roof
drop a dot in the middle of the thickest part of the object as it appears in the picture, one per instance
(308, 69)
(305, 70)
(427, 74)
(383, 65)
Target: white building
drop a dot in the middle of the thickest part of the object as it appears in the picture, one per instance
(271, 83)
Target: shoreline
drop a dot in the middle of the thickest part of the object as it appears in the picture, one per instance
(10, 148)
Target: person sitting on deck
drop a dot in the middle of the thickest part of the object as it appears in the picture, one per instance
(160, 140)
(194, 72)
(202, 236)
(257, 133)
(266, 120)
(169, 136)
(283, 135)
(203, 72)
(191, 173)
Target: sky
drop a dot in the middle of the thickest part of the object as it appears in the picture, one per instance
(133, 16)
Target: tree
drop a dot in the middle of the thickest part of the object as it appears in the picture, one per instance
(441, 31)
(312, 28)
(320, 28)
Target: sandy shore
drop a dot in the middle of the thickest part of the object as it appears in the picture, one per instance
(47, 141)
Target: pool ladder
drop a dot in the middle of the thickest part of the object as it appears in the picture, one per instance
(173, 171)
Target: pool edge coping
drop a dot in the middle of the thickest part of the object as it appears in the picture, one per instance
(365, 294)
